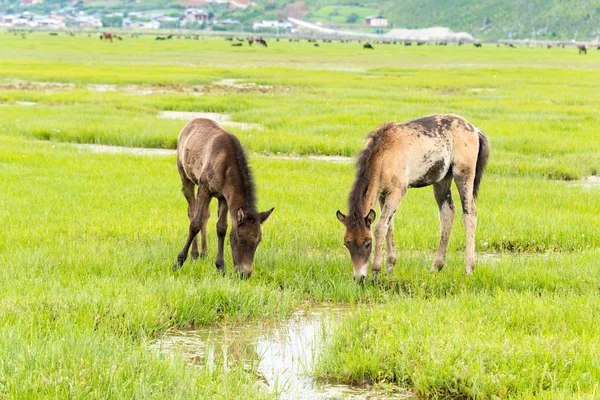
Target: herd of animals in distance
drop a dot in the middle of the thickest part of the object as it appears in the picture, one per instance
(237, 41)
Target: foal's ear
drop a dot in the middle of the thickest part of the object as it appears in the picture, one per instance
(241, 216)
(341, 217)
(370, 218)
(265, 214)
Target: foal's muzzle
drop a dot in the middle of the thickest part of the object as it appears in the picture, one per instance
(245, 271)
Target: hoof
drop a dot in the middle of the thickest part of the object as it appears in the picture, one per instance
(194, 256)
(177, 265)
(203, 254)
(220, 267)
(436, 267)
(375, 276)
(469, 267)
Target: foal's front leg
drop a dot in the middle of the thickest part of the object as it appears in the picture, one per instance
(443, 196)
(389, 242)
(221, 232)
(383, 225)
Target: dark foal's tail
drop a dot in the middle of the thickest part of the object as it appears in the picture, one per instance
(482, 159)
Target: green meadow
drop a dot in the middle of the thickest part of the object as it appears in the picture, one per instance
(88, 238)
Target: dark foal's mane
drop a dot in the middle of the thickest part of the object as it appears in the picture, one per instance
(245, 173)
(356, 199)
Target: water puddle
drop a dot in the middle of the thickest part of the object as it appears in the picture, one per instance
(496, 258)
(108, 149)
(234, 83)
(103, 148)
(483, 89)
(591, 182)
(222, 119)
(20, 103)
(282, 353)
(334, 159)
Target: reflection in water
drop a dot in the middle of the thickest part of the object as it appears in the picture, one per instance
(282, 353)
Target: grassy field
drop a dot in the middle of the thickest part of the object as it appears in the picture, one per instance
(89, 238)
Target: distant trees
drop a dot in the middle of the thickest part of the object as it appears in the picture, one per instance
(112, 21)
(352, 18)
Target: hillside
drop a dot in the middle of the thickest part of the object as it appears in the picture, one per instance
(485, 19)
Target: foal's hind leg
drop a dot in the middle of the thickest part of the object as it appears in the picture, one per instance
(464, 183)
(195, 225)
(443, 196)
(206, 216)
(382, 226)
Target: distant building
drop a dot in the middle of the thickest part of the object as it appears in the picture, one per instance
(85, 21)
(272, 25)
(6, 20)
(196, 14)
(31, 2)
(376, 20)
(243, 4)
(227, 21)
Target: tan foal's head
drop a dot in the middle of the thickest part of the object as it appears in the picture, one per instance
(245, 237)
(358, 240)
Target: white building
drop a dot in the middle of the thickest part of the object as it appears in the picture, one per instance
(376, 20)
(272, 25)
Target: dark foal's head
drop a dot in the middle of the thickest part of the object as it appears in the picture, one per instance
(358, 240)
(245, 237)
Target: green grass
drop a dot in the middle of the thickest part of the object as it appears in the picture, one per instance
(89, 239)
(340, 14)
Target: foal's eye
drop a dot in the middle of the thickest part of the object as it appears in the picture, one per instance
(367, 243)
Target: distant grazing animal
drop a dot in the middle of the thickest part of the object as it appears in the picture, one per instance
(250, 41)
(53, 34)
(262, 42)
(582, 49)
(316, 44)
(512, 45)
(160, 38)
(432, 150)
(477, 44)
(213, 160)
(368, 46)
(408, 43)
(108, 36)
(237, 44)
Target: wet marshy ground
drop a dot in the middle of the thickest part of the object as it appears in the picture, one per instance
(282, 354)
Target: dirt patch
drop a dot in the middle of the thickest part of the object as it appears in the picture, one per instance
(222, 119)
(223, 86)
(146, 90)
(37, 86)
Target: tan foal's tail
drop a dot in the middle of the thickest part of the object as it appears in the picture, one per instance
(482, 159)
